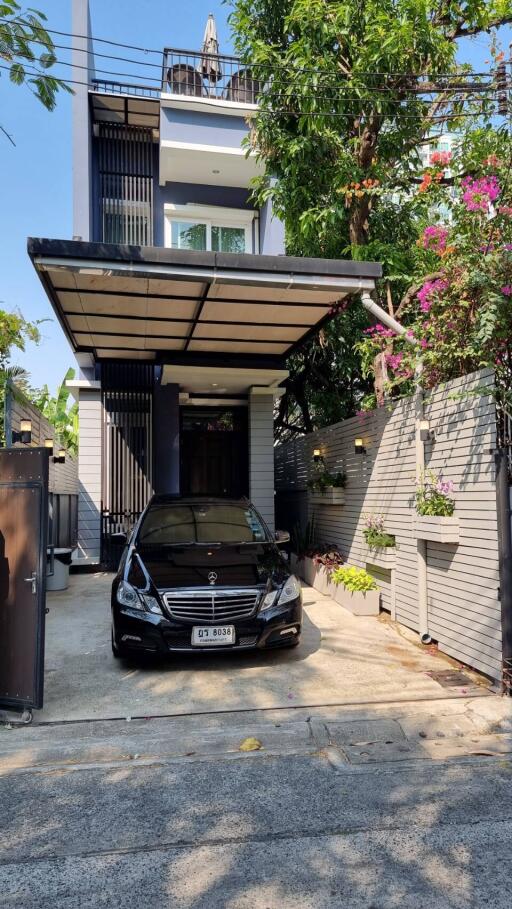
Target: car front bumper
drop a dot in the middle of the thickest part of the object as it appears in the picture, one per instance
(144, 631)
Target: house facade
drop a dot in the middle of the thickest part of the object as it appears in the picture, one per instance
(175, 292)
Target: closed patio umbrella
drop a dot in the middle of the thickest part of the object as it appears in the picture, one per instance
(210, 64)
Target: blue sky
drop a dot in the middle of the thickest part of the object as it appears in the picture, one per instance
(36, 175)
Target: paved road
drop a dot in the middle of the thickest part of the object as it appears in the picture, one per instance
(406, 806)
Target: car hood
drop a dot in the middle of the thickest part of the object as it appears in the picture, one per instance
(194, 566)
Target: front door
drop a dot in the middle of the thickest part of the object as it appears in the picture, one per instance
(214, 451)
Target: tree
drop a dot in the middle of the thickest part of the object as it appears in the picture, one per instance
(29, 52)
(352, 92)
(58, 412)
(15, 331)
(459, 314)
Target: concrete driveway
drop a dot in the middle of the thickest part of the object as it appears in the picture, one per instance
(342, 659)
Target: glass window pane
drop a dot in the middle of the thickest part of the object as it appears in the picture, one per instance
(228, 239)
(202, 523)
(185, 235)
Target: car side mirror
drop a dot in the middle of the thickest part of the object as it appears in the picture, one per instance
(119, 538)
(281, 537)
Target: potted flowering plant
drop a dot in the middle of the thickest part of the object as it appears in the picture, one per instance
(435, 507)
(356, 590)
(380, 545)
(327, 488)
(317, 565)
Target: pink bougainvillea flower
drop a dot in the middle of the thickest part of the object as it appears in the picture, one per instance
(480, 192)
(430, 290)
(434, 238)
(507, 290)
(394, 360)
(505, 210)
(440, 157)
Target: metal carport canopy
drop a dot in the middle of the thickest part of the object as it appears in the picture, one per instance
(124, 302)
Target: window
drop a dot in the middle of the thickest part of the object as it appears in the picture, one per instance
(209, 228)
(170, 525)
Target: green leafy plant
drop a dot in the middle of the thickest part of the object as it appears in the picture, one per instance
(58, 412)
(302, 538)
(433, 495)
(325, 480)
(374, 533)
(356, 580)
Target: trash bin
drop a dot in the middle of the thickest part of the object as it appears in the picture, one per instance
(59, 578)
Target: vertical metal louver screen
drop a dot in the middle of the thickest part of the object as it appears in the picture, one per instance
(127, 446)
(126, 184)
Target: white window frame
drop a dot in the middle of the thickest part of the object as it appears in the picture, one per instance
(211, 216)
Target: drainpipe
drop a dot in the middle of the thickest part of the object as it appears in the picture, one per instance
(505, 557)
(399, 329)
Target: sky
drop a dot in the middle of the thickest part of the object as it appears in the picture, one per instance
(36, 174)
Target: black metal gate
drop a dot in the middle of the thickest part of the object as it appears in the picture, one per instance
(23, 533)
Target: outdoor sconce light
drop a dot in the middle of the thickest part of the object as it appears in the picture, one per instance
(48, 443)
(317, 456)
(359, 446)
(61, 457)
(25, 434)
(426, 434)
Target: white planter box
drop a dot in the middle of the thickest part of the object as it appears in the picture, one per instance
(437, 529)
(314, 575)
(381, 556)
(358, 603)
(333, 495)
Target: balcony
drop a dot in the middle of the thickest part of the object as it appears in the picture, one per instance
(209, 77)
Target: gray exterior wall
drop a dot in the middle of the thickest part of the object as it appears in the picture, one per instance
(261, 455)
(90, 473)
(82, 138)
(201, 128)
(272, 239)
(63, 478)
(166, 439)
(462, 579)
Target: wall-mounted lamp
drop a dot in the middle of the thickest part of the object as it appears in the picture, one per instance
(61, 457)
(317, 456)
(426, 433)
(359, 447)
(25, 434)
(48, 443)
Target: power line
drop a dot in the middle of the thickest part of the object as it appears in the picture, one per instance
(185, 53)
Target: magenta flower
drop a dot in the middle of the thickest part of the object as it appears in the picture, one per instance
(434, 238)
(394, 360)
(430, 290)
(507, 290)
(479, 193)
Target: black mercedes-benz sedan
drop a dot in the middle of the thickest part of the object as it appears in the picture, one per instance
(200, 574)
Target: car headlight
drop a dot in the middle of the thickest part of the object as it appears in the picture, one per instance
(127, 596)
(290, 591)
(152, 604)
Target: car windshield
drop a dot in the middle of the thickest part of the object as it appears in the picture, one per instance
(204, 523)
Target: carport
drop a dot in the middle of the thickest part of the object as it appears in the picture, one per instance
(342, 659)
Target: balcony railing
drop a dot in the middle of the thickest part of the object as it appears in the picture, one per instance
(218, 77)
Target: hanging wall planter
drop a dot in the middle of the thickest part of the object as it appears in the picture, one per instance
(332, 495)
(380, 556)
(436, 528)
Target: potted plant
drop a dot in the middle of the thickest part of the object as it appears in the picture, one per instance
(317, 564)
(327, 488)
(435, 506)
(380, 545)
(356, 590)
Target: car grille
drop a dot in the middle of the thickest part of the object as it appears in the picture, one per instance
(211, 606)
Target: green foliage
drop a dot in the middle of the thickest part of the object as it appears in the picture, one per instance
(325, 480)
(303, 538)
(433, 496)
(59, 413)
(356, 580)
(29, 51)
(15, 331)
(339, 130)
(379, 539)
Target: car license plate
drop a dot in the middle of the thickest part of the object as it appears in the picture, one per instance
(213, 635)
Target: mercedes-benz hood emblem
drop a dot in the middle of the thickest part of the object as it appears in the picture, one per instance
(212, 577)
